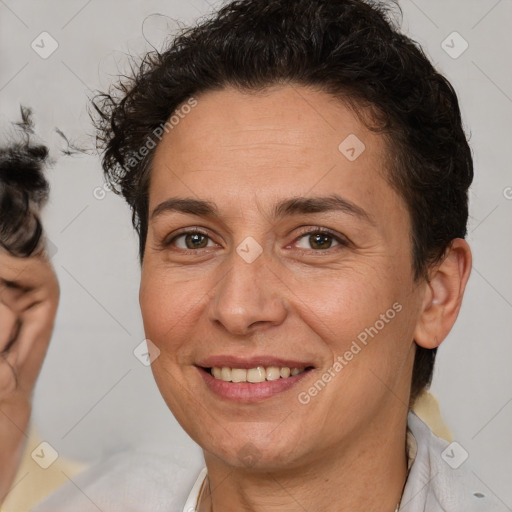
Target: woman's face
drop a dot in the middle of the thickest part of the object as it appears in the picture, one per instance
(276, 243)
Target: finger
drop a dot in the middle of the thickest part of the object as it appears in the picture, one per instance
(11, 267)
(28, 351)
(18, 299)
(26, 273)
(8, 324)
(8, 378)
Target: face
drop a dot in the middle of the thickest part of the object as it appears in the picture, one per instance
(270, 247)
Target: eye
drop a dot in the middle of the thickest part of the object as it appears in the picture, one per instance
(190, 240)
(319, 240)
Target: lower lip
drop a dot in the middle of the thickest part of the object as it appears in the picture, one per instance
(249, 392)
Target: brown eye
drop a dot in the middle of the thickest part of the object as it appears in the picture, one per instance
(190, 241)
(319, 240)
(196, 241)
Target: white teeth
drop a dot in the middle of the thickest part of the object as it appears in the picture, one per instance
(273, 373)
(238, 375)
(254, 375)
(285, 372)
(225, 374)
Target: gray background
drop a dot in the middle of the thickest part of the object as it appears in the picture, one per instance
(94, 396)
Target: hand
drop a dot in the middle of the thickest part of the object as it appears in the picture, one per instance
(29, 291)
(29, 295)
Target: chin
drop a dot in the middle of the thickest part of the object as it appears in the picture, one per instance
(253, 451)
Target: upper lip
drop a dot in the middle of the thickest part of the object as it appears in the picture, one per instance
(250, 362)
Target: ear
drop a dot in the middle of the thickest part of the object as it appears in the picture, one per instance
(443, 295)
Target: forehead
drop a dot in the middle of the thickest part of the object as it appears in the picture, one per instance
(286, 140)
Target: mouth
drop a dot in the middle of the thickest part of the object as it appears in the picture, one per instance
(244, 381)
(255, 375)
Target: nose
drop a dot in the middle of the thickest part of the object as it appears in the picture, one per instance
(248, 297)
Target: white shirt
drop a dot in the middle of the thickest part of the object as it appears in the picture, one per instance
(135, 482)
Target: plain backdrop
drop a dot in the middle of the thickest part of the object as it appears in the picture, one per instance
(94, 396)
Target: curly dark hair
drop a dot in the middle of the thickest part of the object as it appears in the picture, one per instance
(350, 49)
(23, 190)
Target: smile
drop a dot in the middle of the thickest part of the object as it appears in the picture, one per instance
(254, 375)
(243, 382)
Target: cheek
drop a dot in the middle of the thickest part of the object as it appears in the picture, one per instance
(167, 317)
(365, 327)
(168, 308)
(339, 308)
(364, 323)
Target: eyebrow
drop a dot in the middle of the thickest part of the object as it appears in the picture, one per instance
(288, 207)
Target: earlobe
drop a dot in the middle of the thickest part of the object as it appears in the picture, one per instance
(443, 295)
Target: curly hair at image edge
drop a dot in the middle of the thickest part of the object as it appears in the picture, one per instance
(23, 190)
(350, 49)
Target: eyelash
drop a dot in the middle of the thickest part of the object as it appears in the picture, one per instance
(342, 241)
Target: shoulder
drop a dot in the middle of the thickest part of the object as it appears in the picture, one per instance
(441, 478)
(126, 482)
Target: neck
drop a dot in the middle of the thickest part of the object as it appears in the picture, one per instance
(366, 474)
